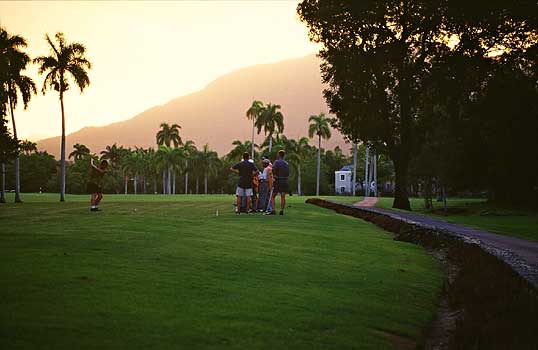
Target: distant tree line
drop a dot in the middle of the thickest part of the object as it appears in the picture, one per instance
(446, 88)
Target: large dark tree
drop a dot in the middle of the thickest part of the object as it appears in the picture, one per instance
(378, 57)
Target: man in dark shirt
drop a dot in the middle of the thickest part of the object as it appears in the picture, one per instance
(246, 171)
(281, 172)
(94, 184)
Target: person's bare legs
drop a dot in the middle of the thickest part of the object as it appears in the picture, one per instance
(238, 208)
(282, 201)
(273, 202)
(92, 199)
(98, 199)
(249, 202)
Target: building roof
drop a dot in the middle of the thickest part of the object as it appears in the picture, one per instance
(347, 168)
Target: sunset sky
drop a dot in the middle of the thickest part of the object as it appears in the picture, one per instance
(146, 53)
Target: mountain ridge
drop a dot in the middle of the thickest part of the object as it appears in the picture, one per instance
(216, 113)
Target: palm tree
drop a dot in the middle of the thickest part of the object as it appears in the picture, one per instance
(239, 148)
(66, 59)
(113, 154)
(12, 62)
(208, 161)
(169, 135)
(166, 159)
(28, 147)
(8, 150)
(271, 120)
(300, 151)
(253, 113)
(319, 125)
(80, 152)
(189, 150)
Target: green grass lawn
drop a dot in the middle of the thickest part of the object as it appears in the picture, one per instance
(165, 272)
(508, 221)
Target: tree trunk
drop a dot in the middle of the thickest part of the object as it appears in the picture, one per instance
(270, 142)
(3, 189)
(401, 197)
(144, 184)
(205, 183)
(299, 193)
(126, 184)
(252, 146)
(135, 184)
(154, 184)
(196, 185)
(319, 167)
(169, 182)
(354, 183)
(17, 171)
(164, 181)
(174, 183)
(366, 174)
(62, 151)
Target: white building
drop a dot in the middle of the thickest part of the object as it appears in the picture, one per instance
(343, 180)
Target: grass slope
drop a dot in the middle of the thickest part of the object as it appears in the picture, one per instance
(505, 221)
(166, 272)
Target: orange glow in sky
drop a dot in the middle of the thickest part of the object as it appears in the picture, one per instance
(146, 53)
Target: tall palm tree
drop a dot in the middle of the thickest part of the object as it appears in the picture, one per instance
(189, 149)
(166, 159)
(169, 134)
(319, 125)
(8, 150)
(300, 151)
(80, 152)
(208, 161)
(66, 59)
(253, 113)
(271, 121)
(12, 62)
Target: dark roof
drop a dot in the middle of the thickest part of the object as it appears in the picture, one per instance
(347, 168)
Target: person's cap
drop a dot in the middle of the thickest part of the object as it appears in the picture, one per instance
(265, 160)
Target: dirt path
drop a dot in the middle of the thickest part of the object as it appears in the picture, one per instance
(367, 202)
(513, 250)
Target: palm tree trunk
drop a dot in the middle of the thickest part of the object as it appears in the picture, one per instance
(174, 183)
(17, 172)
(366, 168)
(318, 169)
(354, 168)
(169, 182)
(164, 181)
(126, 184)
(144, 184)
(270, 142)
(62, 151)
(135, 184)
(197, 185)
(154, 184)
(186, 177)
(3, 189)
(252, 146)
(205, 183)
(299, 180)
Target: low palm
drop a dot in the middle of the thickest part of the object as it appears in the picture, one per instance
(319, 125)
(79, 152)
(253, 113)
(66, 60)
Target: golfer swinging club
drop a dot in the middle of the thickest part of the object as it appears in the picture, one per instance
(281, 172)
(94, 184)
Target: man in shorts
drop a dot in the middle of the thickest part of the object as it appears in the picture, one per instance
(94, 184)
(281, 172)
(246, 171)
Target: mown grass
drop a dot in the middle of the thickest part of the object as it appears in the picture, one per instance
(480, 214)
(166, 272)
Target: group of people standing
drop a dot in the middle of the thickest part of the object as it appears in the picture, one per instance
(257, 189)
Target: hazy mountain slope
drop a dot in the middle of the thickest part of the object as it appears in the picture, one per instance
(216, 114)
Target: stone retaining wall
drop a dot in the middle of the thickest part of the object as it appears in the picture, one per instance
(493, 306)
